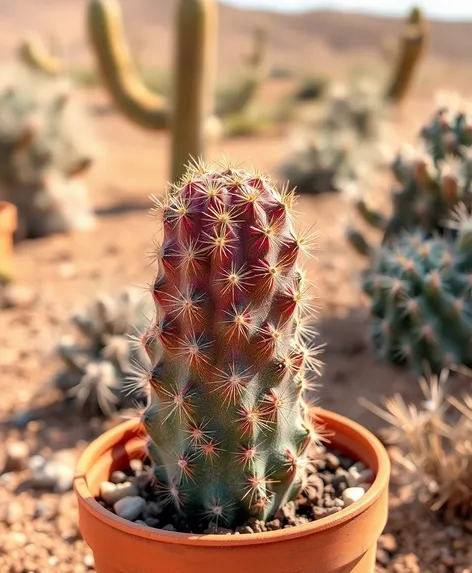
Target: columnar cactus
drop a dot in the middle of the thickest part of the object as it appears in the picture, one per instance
(228, 420)
(411, 50)
(421, 292)
(193, 85)
(431, 182)
(34, 53)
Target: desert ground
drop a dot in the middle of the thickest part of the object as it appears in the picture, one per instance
(38, 529)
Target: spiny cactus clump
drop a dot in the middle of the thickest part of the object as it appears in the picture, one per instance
(100, 365)
(228, 420)
(421, 291)
(432, 181)
(44, 149)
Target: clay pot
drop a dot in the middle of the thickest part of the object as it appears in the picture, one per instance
(341, 543)
(8, 224)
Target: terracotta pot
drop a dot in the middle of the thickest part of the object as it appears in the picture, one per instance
(8, 224)
(343, 542)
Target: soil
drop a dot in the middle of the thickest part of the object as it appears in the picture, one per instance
(329, 474)
(38, 525)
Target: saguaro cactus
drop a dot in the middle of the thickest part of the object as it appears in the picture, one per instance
(35, 54)
(227, 421)
(411, 50)
(194, 71)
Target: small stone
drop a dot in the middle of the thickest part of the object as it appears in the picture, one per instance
(169, 527)
(22, 419)
(67, 270)
(244, 529)
(287, 512)
(140, 522)
(18, 296)
(111, 493)
(11, 513)
(152, 522)
(89, 561)
(274, 525)
(216, 530)
(382, 557)
(319, 512)
(136, 466)
(468, 526)
(129, 507)
(388, 542)
(332, 461)
(352, 494)
(55, 474)
(14, 540)
(118, 477)
(44, 510)
(16, 457)
(36, 462)
(448, 560)
(154, 509)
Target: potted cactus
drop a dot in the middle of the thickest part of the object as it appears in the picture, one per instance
(228, 431)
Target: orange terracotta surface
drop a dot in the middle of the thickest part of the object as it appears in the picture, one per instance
(8, 224)
(341, 543)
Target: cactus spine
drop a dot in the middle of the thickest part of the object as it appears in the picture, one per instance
(194, 74)
(411, 50)
(227, 419)
(421, 292)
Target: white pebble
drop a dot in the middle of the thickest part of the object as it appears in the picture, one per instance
(130, 507)
(111, 493)
(352, 494)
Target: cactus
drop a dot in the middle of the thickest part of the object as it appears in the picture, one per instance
(193, 80)
(236, 99)
(411, 50)
(421, 291)
(320, 164)
(97, 371)
(33, 52)
(228, 422)
(432, 182)
(44, 149)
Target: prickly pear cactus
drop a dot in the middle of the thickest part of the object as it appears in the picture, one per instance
(100, 365)
(228, 421)
(421, 291)
(44, 149)
(431, 181)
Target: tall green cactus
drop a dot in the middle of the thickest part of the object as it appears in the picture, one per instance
(227, 420)
(411, 50)
(35, 54)
(194, 71)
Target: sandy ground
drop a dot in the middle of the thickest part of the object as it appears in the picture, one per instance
(66, 271)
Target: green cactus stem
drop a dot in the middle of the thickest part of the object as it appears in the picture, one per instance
(35, 54)
(421, 300)
(194, 64)
(411, 51)
(228, 418)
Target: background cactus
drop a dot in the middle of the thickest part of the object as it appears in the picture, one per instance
(99, 365)
(45, 147)
(227, 419)
(34, 52)
(432, 181)
(193, 82)
(342, 146)
(410, 52)
(421, 292)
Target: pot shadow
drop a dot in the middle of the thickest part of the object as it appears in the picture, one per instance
(352, 371)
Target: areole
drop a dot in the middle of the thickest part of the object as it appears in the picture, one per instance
(341, 543)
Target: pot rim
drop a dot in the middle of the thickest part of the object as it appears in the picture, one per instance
(331, 419)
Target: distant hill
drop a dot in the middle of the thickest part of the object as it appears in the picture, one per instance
(299, 40)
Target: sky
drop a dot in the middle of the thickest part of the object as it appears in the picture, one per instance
(444, 9)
